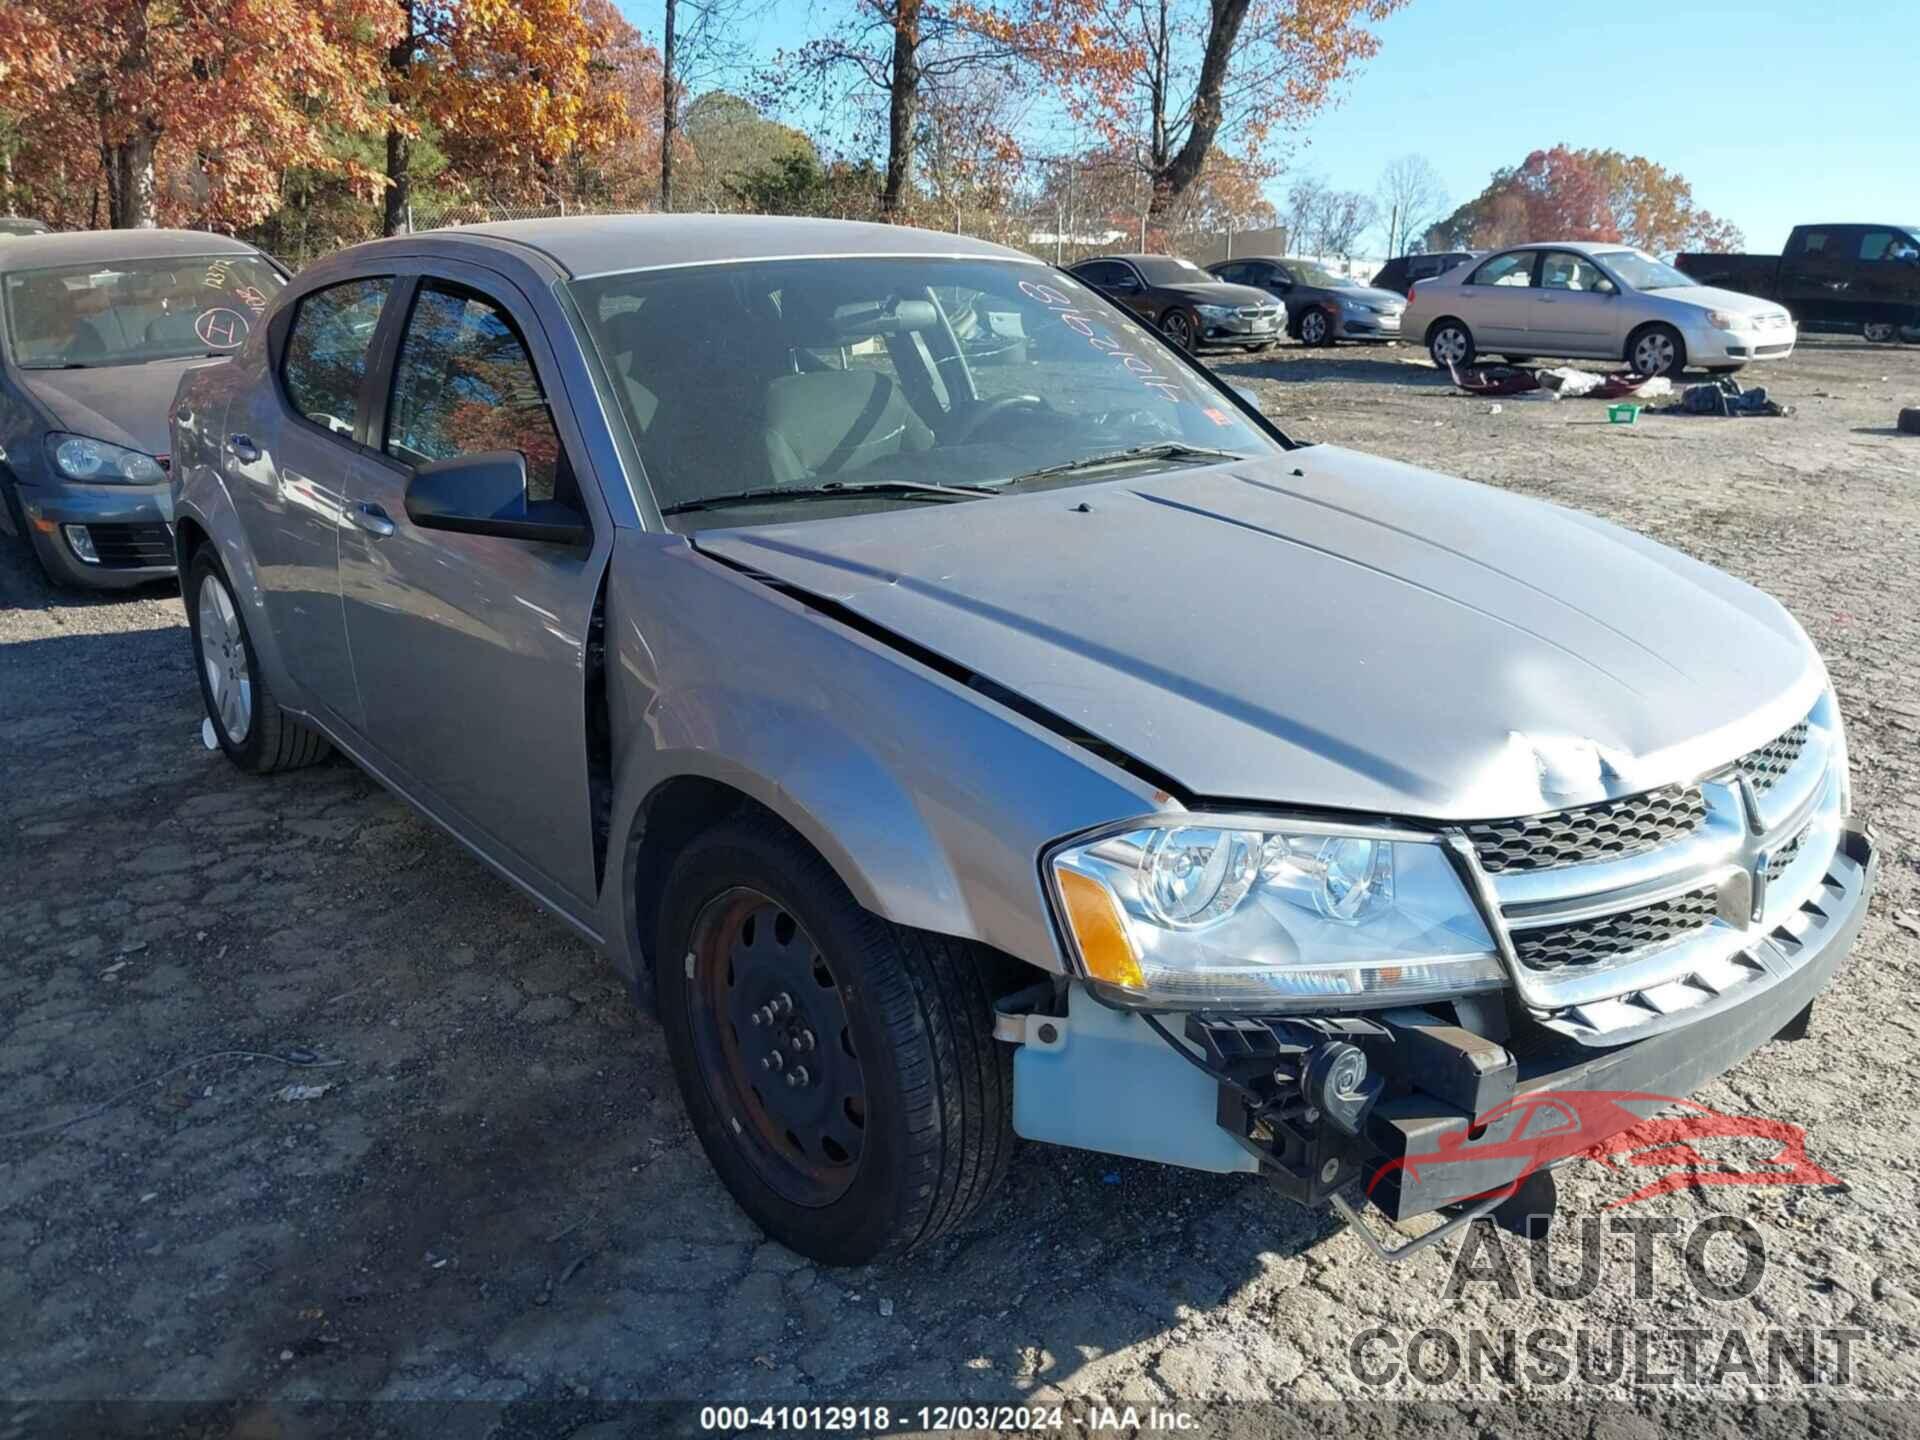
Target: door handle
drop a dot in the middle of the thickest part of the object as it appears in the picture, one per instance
(242, 448)
(372, 519)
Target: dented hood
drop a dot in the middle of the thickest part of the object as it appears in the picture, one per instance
(1328, 630)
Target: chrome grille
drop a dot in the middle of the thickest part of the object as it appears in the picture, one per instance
(1764, 767)
(1593, 832)
(1613, 918)
(1585, 942)
(1780, 859)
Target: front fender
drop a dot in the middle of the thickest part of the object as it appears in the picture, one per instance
(931, 802)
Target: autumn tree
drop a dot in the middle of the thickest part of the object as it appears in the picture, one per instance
(1172, 81)
(888, 61)
(1568, 194)
(507, 84)
(187, 113)
(1323, 220)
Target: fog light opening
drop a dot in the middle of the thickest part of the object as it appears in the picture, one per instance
(81, 543)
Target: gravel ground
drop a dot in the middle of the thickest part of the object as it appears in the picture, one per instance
(493, 1195)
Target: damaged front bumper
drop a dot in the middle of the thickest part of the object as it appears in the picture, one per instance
(1444, 1108)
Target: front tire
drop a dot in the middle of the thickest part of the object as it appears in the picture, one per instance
(1880, 332)
(256, 734)
(840, 1070)
(1657, 350)
(1450, 342)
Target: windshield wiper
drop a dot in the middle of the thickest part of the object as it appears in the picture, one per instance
(828, 490)
(1166, 450)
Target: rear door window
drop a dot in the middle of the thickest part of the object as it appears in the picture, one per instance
(1509, 270)
(326, 351)
(465, 384)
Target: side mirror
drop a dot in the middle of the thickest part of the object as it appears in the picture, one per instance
(486, 494)
(1607, 288)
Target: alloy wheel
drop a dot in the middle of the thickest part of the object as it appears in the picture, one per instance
(223, 655)
(1313, 327)
(1880, 333)
(774, 1042)
(1179, 329)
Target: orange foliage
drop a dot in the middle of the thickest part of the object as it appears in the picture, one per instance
(1567, 194)
(517, 86)
(184, 113)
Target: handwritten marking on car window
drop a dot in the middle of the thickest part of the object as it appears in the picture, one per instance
(1136, 365)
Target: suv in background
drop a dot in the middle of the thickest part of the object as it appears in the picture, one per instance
(1403, 272)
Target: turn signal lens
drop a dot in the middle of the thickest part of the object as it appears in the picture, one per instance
(1099, 932)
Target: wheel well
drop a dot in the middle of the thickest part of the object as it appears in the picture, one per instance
(673, 814)
(188, 537)
(1446, 320)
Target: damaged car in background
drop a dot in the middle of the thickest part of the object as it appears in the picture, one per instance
(915, 736)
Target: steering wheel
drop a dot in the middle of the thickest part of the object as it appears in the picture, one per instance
(993, 409)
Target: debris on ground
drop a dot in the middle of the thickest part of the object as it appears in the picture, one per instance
(1494, 379)
(302, 1092)
(1724, 397)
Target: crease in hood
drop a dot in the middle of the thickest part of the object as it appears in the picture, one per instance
(1328, 630)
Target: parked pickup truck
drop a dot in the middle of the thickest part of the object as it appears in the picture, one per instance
(900, 727)
(1859, 278)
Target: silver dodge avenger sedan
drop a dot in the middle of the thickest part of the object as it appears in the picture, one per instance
(959, 742)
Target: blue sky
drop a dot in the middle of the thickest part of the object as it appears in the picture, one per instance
(1774, 113)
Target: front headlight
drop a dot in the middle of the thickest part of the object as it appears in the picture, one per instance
(1216, 312)
(1356, 307)
(1728, 320)
(1249, 914)
(78, 458)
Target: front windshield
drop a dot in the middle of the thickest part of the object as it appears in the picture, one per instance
(1324, 278)
(127, 312)
(791, 375)
(1643, 272)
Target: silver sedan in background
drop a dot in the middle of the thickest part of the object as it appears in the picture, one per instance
(1596, 301)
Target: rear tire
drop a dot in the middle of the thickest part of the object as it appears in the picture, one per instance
(1657, 350)
(1178, 327)
(1316, 328)
(1879, 332)
(256, 734)
(902, 1017)
(1910, 420)
(1450, 342)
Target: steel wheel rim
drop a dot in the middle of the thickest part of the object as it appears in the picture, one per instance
(1179, 331)
(1313, 329)
(765, 1007)
(1653, 355)
(223, 659)
(1450, 345)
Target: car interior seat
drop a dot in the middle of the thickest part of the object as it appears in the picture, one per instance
(823, 422)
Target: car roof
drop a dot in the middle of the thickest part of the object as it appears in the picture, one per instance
(1578, 247)
(81, 247)
(587, 245)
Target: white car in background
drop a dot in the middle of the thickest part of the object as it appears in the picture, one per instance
(1597, 301)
